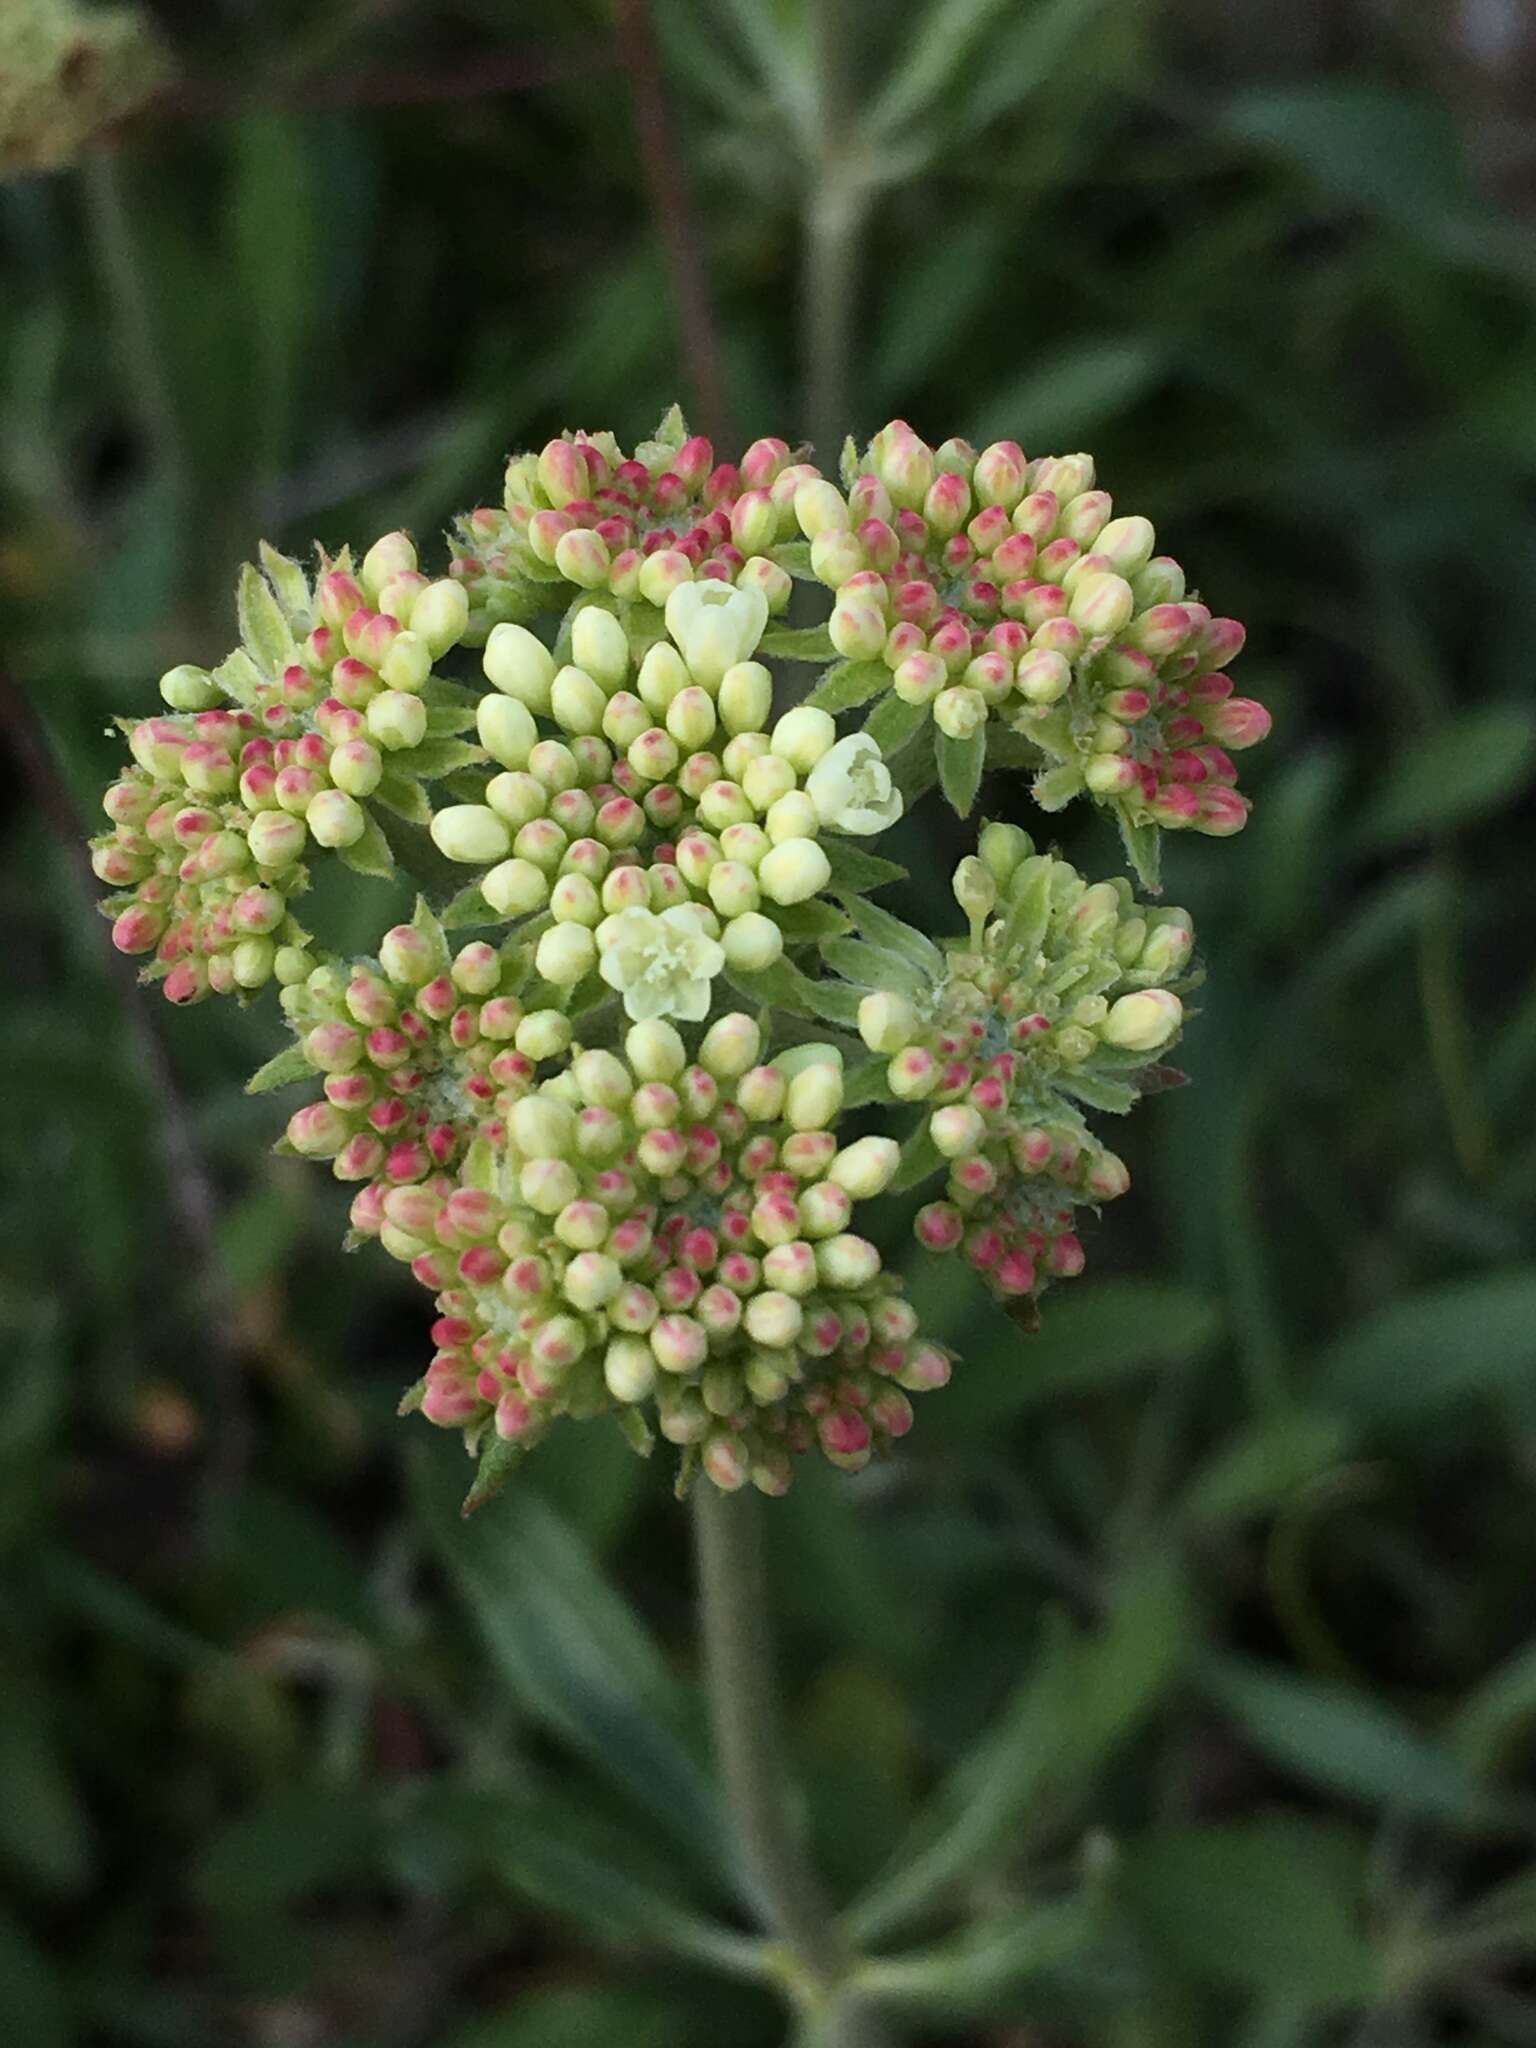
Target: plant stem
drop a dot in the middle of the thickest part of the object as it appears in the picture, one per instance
(744, 1710)
(833, 214)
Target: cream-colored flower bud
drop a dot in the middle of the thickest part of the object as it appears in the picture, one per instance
(356, 767)
(847, 1261)
(519, 665)
(751, 942)
(335, 819)
(546, 1185)
(975, 888)
(1127, 544)
(793, 816)
(655, 1050)
(517, 797)
(887, 1023)
(766, 779)
(957, 1129)
(542, 1127)
(566, 954)
(543, 1034)
(440, 614)
(732, 888)
(745, 843)
(1143, 1022)
(690, 718)
(591, 1280)
(629, 1369)
(393, 554)
(600, 645)
(773, 1319)
(407, 664)
(507, 731)
(715, 627)
(802, 736)
(663, 673)
(816, 1092)
(794, 871)
(1102, 603)
(731, 1045)
(866, 1167)
(187, 688)
(396, 720)
(820, 507)
(574, 900)
(746, 697)
(576, 702)
(960, 712)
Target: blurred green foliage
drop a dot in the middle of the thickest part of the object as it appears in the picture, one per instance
(1177, 1685)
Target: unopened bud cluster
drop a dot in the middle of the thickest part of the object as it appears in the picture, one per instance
(995, 587)
(673, 818)
(670, 1240)
(615, 1220)
(1056, 1001)
(582, 514)
(268, 758)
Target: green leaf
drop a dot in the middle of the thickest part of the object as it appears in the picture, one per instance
(497, 1461)
(266, 634)
(569, 1650)
(1081, 1699)
(849, 685)
(806, 923)
(370, 855)
(43, 1827)
(1077, 388)
(983, 1971)
(1265, 1466)
(1099, 1091)
(239, 677)
(797, 643)
(960, 768)
(892, 723)
(434, 759)
(1501, 1707)
(855, 872)
(920, 1159)
(865, 1081)
(285, 1067)
(1343, 1741)
(406, 798)
(469, 907)
(1467, 1338)
(1275, 1904)
(286, 578)
(445, 721)
(894, 936)
(874, 967)
(1143, 849)
(1469, 769)
(299, 1839)
(577, 2016)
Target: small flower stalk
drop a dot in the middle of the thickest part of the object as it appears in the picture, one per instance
(598, 1100)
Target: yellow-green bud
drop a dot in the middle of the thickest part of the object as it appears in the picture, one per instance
(407, 664)
(767, 778)
(663, 673)
(471, 833)
(335, 819)
(187, 688)
(517, 796)
(507, 731)
(392, 554)
(1002, 847)
(600, 646)
(866, 1167)
(794, 871)
(629, 1369)
(959, 712)
(519, 665)
(746, 697)
(566, 954)
(731, 1045)
(792, 816)
(1143, 1022)
(654, 1050)
(887, 1023)
(802, 736)
(439, 615)
(815, 1094)
(751, 942)
(397, 720)
(543, 1034)
(576, 702)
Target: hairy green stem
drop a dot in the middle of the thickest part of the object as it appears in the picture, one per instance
(744, 1710)
(832, 218)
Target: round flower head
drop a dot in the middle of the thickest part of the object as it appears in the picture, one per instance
(662, 964)
(851, 787)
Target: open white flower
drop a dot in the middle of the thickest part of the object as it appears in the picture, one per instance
(851, 787)
(715, 626)
(662, 964)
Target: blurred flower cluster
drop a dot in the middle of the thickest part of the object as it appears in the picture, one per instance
(614, 1132)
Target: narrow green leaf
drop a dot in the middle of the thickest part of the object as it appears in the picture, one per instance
(289, 1065)
(286, 578)
(434, 759)
(1143, 849)
(266, 634)
(891, 933)
(370, 855)
(497, 1461)
(1274, 1904)
(1466, 770)
(469, 907)
(892, 723)
(874, 967)
(1265, 1466)
(1443, 1344)
(446, 721)
(920, 1159)
(855, 872)
(1342, 1740)
(960, 768)
(797, 643)
(406, 798)
(849, 685)
(806, 923)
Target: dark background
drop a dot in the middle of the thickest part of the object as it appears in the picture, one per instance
(1230, 1571)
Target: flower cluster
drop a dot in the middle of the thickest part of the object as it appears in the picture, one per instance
(660, 862)
(1058, 999)
(275, 754)
(670, 1239)
(997, 588)
(584, 515)
(615, 1219)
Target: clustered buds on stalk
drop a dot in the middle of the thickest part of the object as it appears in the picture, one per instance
(996, 588)
(670, 1240)
(1059, 1000)
(615, 1218)
(581, 515)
